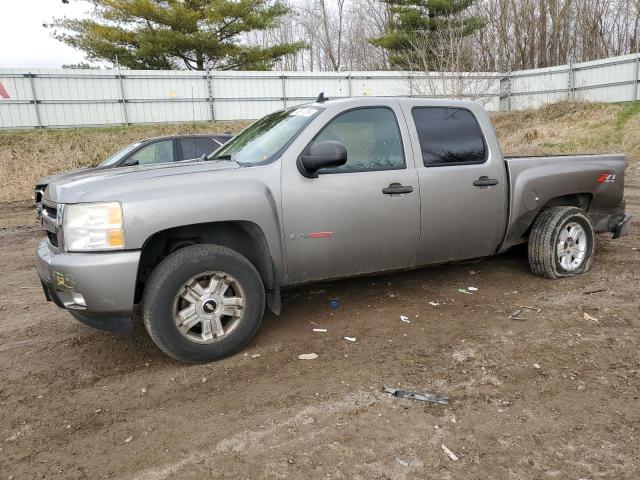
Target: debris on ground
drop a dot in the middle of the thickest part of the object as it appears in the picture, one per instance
(321, 330)
(405, 319)
(462, 290)
(316, 292)
(308, 356)
(517, 315)
(334, 303)
(350, 339)
(435, 304)
(473, 272)
(128, 439)
(586, 316)
(590, 292)
(536, 366)
(402, 462)
(256, 355)
(472, 289)
(425, 397)
(449, 453)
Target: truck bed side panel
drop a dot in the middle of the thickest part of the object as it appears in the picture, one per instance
(537, 181)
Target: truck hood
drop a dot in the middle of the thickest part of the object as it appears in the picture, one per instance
(78, 172)
(72, 186)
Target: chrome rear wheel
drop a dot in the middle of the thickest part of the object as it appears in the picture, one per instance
(572, 246)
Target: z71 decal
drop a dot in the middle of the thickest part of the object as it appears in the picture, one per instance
(606, 178)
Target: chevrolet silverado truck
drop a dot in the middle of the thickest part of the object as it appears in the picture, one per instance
(326, 190)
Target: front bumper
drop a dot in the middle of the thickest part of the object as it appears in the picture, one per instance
(106, 282)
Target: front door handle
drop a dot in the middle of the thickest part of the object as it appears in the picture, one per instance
(396, 189)
(485, 182)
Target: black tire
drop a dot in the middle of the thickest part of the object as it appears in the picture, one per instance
(544, 236)
(167, 279)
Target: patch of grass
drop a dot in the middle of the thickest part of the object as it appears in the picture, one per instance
(27, 155)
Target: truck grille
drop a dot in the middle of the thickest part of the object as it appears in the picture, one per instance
(50, 219)
(37, 199)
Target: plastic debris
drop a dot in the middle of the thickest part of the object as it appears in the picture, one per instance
(350, 339)
(462, 290)
(405, 319)
(536, 366)
(308, 356)
(425, 397)
(256, 355)
(517, 315)
(128, 439)
(472, 289)
(334, 303)
(594, 291)
(402, 462)
(435, 304)
(449, 453)
(472, 272)
(586, 316)
(322, 330)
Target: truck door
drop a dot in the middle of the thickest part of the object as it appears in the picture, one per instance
(463, 185)
(360, 217)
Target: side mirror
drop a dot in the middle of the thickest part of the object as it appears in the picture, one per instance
(325, 154)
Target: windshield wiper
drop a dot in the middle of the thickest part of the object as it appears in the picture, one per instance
(226, 156)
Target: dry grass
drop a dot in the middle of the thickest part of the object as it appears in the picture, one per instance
(26, 156)
(560, 128)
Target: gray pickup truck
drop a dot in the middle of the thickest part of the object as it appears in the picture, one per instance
(325, 190)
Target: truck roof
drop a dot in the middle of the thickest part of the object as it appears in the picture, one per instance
(370, 100)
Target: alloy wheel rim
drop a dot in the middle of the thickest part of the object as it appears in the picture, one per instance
(208, 307)
(572, 246)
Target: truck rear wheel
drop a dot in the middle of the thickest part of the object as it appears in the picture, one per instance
(561, 242)
(202, 303)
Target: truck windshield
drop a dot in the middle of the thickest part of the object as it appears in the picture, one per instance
(263, 141)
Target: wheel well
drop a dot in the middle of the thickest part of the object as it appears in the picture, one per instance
(580, 200)
(245, 238)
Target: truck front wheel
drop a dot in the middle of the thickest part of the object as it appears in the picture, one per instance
(561, 242)
(202, 303)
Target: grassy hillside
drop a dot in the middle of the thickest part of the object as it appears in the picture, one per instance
(561, 128)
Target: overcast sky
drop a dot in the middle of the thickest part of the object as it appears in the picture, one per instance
(24, 42)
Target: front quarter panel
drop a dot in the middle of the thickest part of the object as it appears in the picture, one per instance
(244, 194)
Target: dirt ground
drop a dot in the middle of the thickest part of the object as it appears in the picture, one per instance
(552, 396)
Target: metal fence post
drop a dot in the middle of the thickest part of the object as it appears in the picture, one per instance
(571, 80)
(209, 80)
(33, 96)
(349, 85)
(284, 92)
(123, 103)
(410, 79)
(636, 82)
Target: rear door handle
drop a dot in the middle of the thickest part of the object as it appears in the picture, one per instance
(396, 189)
(485, 182)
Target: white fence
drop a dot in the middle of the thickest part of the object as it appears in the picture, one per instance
(68, 98)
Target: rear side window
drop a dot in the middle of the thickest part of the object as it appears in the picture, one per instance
(188, 146)
(448, 136)
(205, 146)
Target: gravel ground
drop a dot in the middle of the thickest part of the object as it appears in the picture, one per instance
(552, 396)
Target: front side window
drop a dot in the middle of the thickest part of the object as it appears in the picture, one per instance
(263, 141)
(448, 136)
(158, 152)
(371, 137)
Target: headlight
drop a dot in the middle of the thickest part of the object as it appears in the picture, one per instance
(93, 226)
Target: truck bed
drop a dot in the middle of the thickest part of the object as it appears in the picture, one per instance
(592, 182)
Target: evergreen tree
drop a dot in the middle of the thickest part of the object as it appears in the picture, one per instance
(175, 34)
(422, 24)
